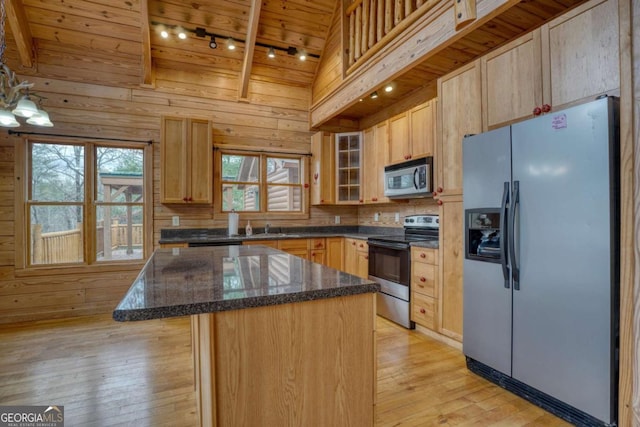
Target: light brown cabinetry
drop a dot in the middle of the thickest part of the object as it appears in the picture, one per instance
(335, 252)
(567, 61)
(297, 247)
(581, 57)
(375, 158)
(512, 96)
(317, 251)
(412, 133)
(459, 113)
(174, 245)
(356, 257)
(322, 171)
(451, 255)
(424, 287)
(186, 161)
(348, 168)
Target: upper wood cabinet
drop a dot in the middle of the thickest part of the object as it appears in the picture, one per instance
(412, 133)
(511, 96)
(459, 113)
(186, 161)
(322, 171)
(581, 54)
(571, 59)
(375, 158)
(348, 168)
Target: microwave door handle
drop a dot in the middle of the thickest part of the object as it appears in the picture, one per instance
(415, 178)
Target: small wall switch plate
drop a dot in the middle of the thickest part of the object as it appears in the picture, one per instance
(376, 217)
(397, 216)
(175, 251)
(337, 220)
(175, 220)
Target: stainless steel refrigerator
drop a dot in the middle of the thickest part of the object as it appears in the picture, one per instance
(541, 267)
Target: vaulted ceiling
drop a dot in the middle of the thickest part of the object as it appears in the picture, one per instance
(113, 42)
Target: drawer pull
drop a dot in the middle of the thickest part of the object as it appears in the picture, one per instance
(423, 255)
(423, 311)
(423, 279)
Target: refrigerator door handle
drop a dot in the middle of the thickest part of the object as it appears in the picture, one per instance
(515, 271)
(503, 239)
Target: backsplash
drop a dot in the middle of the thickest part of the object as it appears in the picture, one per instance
(386, 214)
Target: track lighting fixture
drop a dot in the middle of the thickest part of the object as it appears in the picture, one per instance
(374, 95)
(165, 29)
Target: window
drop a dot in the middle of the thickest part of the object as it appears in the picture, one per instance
(261, 183)
(85, 203)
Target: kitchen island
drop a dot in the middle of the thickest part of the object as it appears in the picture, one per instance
(277, 340)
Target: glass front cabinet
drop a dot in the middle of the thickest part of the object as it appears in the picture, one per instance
(348, 172)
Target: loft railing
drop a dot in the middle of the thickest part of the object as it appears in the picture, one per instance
(374, 23)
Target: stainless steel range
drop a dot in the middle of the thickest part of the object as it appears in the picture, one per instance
(390, 266)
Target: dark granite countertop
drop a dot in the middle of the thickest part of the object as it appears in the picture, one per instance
(186, 281)
(219, 235)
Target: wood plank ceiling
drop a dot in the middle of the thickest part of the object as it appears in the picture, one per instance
(106, 41)
(118, 43)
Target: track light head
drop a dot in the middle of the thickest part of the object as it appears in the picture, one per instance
(374, 95)
(212, 43)
(231, 45)
(271, 53)
(302, 55)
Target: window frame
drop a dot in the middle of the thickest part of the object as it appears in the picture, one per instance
(89, 205)
(263, 184)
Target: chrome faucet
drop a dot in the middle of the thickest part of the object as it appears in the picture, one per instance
(266, 228)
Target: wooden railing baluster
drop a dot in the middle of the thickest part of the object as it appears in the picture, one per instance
(388, 16)
(365, 26)
(380, 21)
(357, 53)
(372, 23)
(408, 7)
(352, 38)
(397, 12)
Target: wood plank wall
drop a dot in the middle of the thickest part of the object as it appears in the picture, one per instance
(277, 116)
(330, 70)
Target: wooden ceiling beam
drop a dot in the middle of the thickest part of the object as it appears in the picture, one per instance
(249, 47)
(22, 34)
(147, 66)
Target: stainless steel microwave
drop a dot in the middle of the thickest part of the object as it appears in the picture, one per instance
(409, 179)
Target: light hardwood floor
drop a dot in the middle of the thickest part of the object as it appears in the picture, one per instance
(107, 373)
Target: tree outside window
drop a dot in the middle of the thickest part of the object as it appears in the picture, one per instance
(60, 198)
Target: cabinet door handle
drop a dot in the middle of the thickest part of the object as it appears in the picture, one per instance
(423, 279)
(439, 201)
(440, 190)
(423, 255)
(184, 199)
(366, 257)
(423, 311)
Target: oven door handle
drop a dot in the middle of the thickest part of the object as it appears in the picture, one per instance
(387, 245)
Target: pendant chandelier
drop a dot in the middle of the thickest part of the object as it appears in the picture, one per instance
(14, 94)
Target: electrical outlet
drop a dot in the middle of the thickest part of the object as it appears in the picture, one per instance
(175, 220)
(397, 216)
(175, 251)
(376, 217)
(337, 219)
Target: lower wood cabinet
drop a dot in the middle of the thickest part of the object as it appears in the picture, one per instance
(335, 252)
(356, 257)
(424, 287)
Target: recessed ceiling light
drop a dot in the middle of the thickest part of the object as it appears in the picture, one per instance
(388, 88)
(164, 34)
